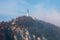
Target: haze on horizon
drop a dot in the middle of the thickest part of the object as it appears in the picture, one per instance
(46, 10)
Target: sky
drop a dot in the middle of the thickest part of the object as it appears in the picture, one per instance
(46, 10)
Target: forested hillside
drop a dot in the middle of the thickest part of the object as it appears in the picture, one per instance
(27, 28)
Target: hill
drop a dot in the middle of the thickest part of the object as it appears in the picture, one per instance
(27, 28)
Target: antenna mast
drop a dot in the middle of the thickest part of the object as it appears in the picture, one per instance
(27, 12)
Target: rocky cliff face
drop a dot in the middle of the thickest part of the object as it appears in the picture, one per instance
(27, 28)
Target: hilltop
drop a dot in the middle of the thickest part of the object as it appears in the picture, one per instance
(27, 28)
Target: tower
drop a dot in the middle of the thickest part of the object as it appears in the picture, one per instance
(27, 12)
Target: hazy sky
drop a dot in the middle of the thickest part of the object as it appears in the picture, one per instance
(47, 10)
